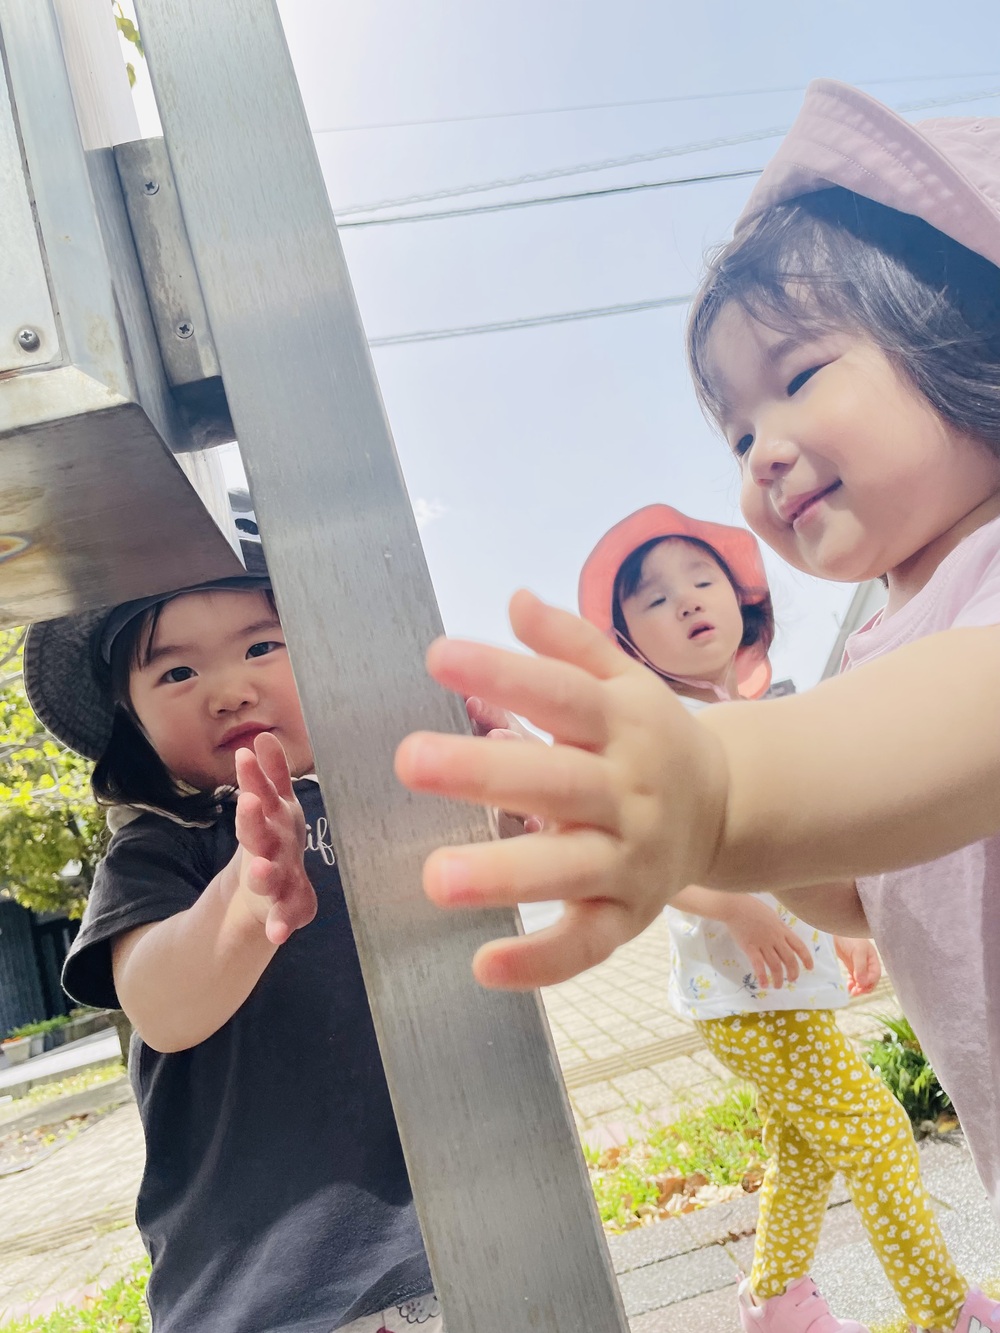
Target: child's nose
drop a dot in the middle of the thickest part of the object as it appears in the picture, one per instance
(773, 452)
(233, 692)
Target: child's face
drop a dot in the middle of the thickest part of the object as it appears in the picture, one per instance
(218, 675)
(848, 472)
(684, 617)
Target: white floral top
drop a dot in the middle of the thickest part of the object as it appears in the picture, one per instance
(711, 977)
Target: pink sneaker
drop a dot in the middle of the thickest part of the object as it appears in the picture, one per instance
(799, 1309)
(978, 1315)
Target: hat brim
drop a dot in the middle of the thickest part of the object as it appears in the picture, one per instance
(843, 137)
(737, 546)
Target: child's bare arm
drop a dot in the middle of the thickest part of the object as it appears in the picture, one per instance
(835, 908)
(885, 767)
(181, 979)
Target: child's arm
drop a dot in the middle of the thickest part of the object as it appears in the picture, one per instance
(181, 979)
(773, 950)
(835, 908)
(885, 767)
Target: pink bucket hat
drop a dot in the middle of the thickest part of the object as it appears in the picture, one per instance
(946, 172)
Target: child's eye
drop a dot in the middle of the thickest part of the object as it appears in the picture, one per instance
(176, 675)
(743, 445)
(262, 649)
(657, 601)
(794, 385)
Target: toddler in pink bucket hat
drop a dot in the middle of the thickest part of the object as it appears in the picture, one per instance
(847, 343)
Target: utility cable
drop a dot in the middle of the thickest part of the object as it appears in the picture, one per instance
(642, 101)
(631, 159)
(475, 209)
(528, 322)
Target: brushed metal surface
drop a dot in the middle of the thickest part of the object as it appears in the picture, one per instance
(510, 1224)
(98, 501)
(24, 291)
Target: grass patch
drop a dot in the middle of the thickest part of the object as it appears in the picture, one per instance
(717, 1146)
(120, 1308)
(63, 1087)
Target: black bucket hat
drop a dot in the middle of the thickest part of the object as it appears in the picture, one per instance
(67, 661)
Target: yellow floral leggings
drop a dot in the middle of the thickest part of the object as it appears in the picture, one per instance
(823, 1111)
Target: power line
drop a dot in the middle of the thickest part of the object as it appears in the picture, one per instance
(528, 322)
(508, 204)
(643, 101)
(606, 164)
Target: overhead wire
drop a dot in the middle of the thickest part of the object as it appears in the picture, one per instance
(632, 159)
(528, 322)
(642, 101)
(567, 198)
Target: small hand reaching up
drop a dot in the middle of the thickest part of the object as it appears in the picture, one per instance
(864, 967)
(270, 826)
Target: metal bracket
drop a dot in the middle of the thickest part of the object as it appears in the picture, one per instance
(176, 304)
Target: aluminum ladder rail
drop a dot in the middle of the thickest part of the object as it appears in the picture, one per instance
(498, 1178)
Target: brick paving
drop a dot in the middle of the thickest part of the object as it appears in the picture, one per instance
(626, 1057)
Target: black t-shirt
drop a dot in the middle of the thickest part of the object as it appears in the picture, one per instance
(275, 1197)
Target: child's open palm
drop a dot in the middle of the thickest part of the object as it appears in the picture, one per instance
(271, 830)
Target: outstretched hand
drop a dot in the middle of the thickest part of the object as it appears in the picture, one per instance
(271, 830)
(632, 791)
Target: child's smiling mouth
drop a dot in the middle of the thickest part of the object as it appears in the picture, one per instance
(794, 511)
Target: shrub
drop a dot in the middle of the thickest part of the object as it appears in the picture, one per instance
(900, 1062)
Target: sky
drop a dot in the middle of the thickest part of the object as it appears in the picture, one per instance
(522, 447)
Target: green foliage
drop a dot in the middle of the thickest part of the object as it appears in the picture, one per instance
(719, 1143)
(48, 819)
(120, 1308)
(38, 1029)
(131, 34)
(901, 1064)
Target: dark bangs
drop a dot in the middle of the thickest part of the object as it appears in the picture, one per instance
(833, 260)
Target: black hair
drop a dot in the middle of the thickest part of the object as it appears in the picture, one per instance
(130, 772)
(758, 615)
(834, 260)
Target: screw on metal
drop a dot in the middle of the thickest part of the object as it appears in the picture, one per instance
(184, 329)
(151, 187)
(28, 340)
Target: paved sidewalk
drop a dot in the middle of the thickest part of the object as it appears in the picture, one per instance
(67, 1222)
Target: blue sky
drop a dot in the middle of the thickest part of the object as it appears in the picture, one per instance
(521, 448)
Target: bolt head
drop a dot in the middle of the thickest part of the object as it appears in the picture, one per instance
(151, 187)
(184, 329)
(28, 340)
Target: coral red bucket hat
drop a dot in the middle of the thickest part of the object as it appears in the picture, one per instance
(737, 546)
(946, 171)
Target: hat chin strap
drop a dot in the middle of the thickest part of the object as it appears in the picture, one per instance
(720, 691)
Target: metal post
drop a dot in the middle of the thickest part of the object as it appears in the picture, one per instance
(499, 1181)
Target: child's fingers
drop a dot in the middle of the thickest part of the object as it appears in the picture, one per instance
(554, 633)
(560, 698)
(274, 764)
(559, 783)
(254, 781)
(574, 865)
(803, 951)
(586, 935)
(253, 832)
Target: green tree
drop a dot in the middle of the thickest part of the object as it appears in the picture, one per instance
(48, 820)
